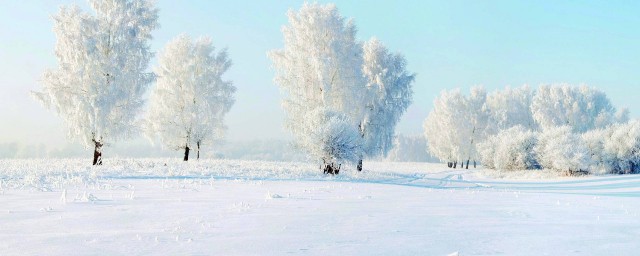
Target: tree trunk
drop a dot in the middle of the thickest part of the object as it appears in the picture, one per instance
(360, 165)
(467, 163)
(474, 164)
(449, 164)
(97, 153)
(455, 164)
(186, 153)
(331, 169)
(198, 157)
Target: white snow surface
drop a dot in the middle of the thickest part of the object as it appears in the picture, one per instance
(230, 207)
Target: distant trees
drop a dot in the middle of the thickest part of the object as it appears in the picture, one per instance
(410, 148)
(581, 108)
(615, 149)
(510, 149)
(337, 88)
(101, 76)
(455, 125)
(190, 99)
(569, 129)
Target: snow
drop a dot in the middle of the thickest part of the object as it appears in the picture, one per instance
(230, 207)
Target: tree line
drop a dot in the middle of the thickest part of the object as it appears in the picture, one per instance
(570, 129)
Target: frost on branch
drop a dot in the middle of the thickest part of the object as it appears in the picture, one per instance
(190, 99)
(510, 107)
(389, 95)
(580, 107)
(621, 148)
(560, 149)
(101, 77)
(510, 149)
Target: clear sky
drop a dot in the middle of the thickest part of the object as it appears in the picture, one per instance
(448, 44)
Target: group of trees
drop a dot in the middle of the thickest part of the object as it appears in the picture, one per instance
(102, 76)
(343, 97)
(572, 129)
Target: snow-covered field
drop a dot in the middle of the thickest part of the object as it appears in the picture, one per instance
(225, 207)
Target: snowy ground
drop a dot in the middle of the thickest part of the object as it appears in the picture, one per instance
(133, 207)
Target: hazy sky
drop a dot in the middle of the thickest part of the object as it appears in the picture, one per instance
(447, 43)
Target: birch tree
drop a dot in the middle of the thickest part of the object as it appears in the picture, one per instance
(389, 94)
(323, 68)
(456, 125)
(102, 75)
(191, 98)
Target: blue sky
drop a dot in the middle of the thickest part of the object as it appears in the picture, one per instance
(448, 44)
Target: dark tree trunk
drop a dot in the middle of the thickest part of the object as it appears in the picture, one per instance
(97, 153)
(331, 169)
(467, 163)
(449, 164)
(198, 157)
(455, 164)
(360, 165)
(474, 164)
(186, 153)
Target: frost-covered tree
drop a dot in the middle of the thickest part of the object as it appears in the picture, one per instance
(190, 99)
(440, 126)
(510, 149)
(621, 148)
(474, 126)
(101, 76)
(560, 149)
(323, 68)
(455, 125)
(389, 95)
(582, 108)
(319, 71)
(336, 138)
(594, 143)
(510, 107)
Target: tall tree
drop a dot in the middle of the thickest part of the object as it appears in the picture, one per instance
(190, 99)
(456, 125)
(389, 95)
(323, 68)
(319, 71)
(98, 86)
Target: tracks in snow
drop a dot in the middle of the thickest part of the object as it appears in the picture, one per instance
(622, 186)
